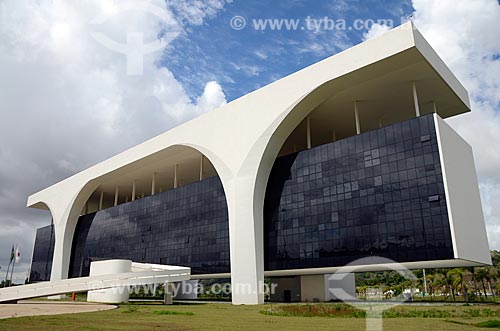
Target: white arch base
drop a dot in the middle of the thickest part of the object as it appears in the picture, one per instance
(138, 274)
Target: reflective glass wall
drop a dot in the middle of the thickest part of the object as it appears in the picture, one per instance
(186, 226)
(379, 193)
(41, 263)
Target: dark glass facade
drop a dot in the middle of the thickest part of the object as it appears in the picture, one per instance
(187, 226)
(378, 193)
(41, 263)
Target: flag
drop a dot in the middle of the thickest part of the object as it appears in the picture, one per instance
(18, 255)
(12, 254)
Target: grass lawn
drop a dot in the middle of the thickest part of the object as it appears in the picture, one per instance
(212, 316)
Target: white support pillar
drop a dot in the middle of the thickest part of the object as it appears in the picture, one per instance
(153, 184)
(176, 179)
(101, 200)
(334, 136)
(308, 132)
(201, 167)
(415, 99)
(425, 282)
(246, 241)
(168, 294)
(62, 248)
(356, 117)
(117, 191)
(133, 189)
(434, 108)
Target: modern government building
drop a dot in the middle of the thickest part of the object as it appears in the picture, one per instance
(346, 159)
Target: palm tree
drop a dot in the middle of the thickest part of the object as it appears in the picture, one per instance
(439, 284)
(480, 275)
(431, 285)
(455, 281)
(467, 276)
(492, 275)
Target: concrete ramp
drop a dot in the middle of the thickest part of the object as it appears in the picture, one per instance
(140, 274)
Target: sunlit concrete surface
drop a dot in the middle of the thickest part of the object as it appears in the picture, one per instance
(37, 308)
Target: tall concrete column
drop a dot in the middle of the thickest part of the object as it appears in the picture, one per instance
(356, 117)
(62, 252)
(101, 200)
(246, 240)
(153, 184)
(308, 132)
(133, 189)
(415, 99)
(176, 179)
(117, 191)
(334, 136)
(434, 108)
(201, 167)
(65, 220)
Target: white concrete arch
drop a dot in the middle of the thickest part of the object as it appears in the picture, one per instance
(67, 208)
(259, 161)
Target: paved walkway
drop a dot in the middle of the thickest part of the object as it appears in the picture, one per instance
(34, 308)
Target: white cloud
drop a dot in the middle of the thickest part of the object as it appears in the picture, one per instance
(493, 235)
(465, 34)
(66, 101)
(490, 193)
(195, 11)
(247, 69)
(339, 7)
(322, 43)
(491, 199)
(375, 30)
(261, 54)
(212, 97)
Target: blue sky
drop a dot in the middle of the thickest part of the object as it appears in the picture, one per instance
(244, 60)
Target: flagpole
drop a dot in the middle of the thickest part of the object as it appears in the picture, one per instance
(8, 268)
(7, 275)
(13, 265)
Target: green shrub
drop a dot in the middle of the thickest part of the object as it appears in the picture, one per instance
(344, 310)
(489, 324)
(315, 310)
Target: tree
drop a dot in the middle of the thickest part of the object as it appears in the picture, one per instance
(492, 275)
(455, 281)
(429, 279)
(480, 275)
